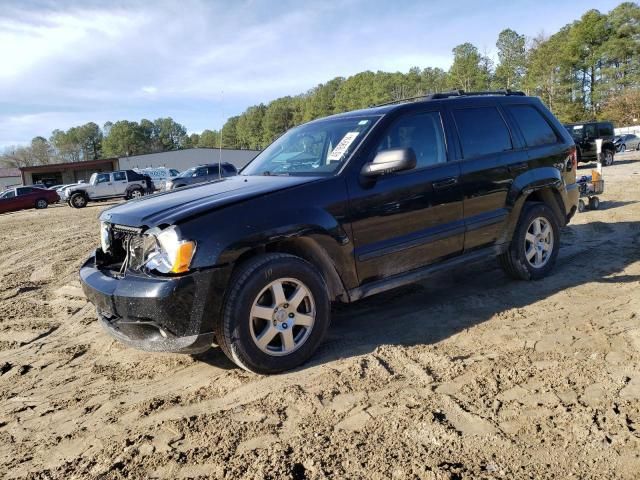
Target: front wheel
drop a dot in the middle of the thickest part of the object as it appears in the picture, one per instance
(607, 158)
(78, 200)
(534, 246)
(275, 314)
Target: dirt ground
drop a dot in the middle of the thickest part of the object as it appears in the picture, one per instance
(468, 375)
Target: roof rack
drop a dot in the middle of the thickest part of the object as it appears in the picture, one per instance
(453, 93)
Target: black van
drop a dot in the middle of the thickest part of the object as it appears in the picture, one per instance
(333, 211)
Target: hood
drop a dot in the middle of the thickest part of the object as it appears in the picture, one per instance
(176, 205)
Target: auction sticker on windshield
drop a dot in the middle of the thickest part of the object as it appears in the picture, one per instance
(343, 146)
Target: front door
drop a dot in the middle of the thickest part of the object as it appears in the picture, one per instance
(406, 220)
(103, 186)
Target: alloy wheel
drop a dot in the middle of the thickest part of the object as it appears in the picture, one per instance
(538, 242)
(136, 194)
(282, 317)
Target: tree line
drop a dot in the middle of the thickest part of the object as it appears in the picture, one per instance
(589, 69)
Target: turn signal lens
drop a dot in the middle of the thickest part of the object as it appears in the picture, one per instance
(184, 254)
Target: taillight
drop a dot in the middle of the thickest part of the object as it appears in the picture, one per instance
(573, 155)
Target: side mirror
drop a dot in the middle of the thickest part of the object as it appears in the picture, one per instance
(389, 161)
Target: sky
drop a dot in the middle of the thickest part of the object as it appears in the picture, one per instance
(68, 62)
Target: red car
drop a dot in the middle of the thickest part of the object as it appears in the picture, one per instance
(26, 197)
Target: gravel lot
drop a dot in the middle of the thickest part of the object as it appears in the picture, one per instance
(468, 375)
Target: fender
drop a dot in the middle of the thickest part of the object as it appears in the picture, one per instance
(535, 180)
(312, 230)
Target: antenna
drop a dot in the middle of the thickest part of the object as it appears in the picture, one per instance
(220, 136)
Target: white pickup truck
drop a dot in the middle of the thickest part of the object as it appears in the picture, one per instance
(122, 184)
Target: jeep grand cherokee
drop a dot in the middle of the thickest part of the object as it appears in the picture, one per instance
(333, 211)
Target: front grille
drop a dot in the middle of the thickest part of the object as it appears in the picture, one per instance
(127, 247)
(126, 229)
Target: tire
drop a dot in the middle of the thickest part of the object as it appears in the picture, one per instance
(581, 206)
(607, 157)
(594, 203)
(515, 262)
(135, 193)
(238, 330)
(78, 200)
(41, 203)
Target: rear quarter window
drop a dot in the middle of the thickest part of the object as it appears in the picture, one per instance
(535, 129)
(482, 131)
(605, 130)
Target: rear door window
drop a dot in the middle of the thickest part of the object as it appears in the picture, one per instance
(534, 127)
(119, 176)
(482, 131)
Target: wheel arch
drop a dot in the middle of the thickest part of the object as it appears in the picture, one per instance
(307, 248)
(540, 186)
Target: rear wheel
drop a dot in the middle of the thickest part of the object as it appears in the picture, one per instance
(534, 246)
(41, 203)
(594, 203)
(136, 193)
(275, 314)
(607, 158)
(78, 200)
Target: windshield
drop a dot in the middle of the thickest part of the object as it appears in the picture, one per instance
(188, 173)
(317, 148)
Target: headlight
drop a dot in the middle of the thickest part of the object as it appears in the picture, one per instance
(105, 237)
(165, 252)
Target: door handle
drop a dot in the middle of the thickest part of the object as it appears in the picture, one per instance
(518, 167)
(444, 183)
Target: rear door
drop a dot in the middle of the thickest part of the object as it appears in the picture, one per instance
(26, 197)
(406, 220)
(491, 157)
(120, 183)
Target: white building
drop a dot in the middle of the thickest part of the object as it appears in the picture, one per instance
(191, 157)
(9, 177)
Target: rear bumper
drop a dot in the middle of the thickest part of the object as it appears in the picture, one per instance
(153, 313)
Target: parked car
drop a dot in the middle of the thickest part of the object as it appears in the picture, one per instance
(585, 135)
(21, 198)
(159, 175)
(121, 184)
(202, 173)
(628, 141)
(333, 211)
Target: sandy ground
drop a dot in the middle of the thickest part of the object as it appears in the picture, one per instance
(468, 375)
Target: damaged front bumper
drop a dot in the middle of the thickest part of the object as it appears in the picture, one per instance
(153, 313)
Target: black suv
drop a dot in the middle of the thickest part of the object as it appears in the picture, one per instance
(202, 173)
(585, 135)
(333, 211)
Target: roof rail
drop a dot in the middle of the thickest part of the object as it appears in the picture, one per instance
(453, 93)
(462, 93)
